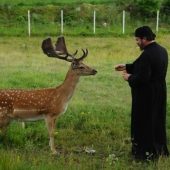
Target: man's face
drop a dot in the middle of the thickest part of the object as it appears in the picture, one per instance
(140, 42)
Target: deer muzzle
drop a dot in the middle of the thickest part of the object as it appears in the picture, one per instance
(94, 72)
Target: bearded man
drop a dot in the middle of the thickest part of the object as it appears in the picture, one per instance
(146, 77)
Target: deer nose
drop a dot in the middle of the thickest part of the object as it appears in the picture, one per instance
(94, 71)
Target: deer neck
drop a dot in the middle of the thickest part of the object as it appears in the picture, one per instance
(70, 83)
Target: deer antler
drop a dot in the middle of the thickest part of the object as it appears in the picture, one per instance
(60, 50)
(85, 53)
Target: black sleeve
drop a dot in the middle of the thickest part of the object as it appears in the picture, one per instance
(129, 68)
(142, 72)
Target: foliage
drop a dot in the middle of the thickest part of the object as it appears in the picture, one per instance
(53, 2)
(148, 8)
(140, 8)
(165, 10)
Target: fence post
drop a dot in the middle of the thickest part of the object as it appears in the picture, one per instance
(123, 22)
(29, 24)
(157, 21)
(94, 22)
(61, 21)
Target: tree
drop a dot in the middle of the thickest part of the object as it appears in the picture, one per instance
(165, 7)
(140, 8)
(165, 10)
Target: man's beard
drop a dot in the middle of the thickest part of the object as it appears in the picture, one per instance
(141, 48)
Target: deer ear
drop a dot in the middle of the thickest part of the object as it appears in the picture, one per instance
(61, 46)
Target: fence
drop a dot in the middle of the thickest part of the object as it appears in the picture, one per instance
(121, 23)
(94, 22)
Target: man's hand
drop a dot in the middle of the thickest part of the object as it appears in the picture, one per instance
(125, 75)
(120, 67)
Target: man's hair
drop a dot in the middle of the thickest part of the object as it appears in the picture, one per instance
(145, 32)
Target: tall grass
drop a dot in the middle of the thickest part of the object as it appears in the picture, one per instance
(98, 115)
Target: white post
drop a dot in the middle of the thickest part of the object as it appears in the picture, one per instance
(123, 29)
(29, 24)
(157, 21)
(61, 21)
(94, 22)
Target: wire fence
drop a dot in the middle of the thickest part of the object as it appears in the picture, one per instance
(93, 22)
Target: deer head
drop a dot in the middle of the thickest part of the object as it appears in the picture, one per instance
(60, 51)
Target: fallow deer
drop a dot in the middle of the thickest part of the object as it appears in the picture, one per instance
(48, 103)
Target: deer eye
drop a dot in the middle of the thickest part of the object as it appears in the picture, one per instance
(74, 65)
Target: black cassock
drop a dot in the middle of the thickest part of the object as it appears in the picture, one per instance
(149, 96)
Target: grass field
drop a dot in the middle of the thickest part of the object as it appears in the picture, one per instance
(98, 116)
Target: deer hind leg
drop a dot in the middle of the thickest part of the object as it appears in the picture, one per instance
(50, 122)
(4, 121)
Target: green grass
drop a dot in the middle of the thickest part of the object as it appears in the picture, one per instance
(98, 115)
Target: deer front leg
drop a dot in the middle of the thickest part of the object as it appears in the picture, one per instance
(50, 122)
